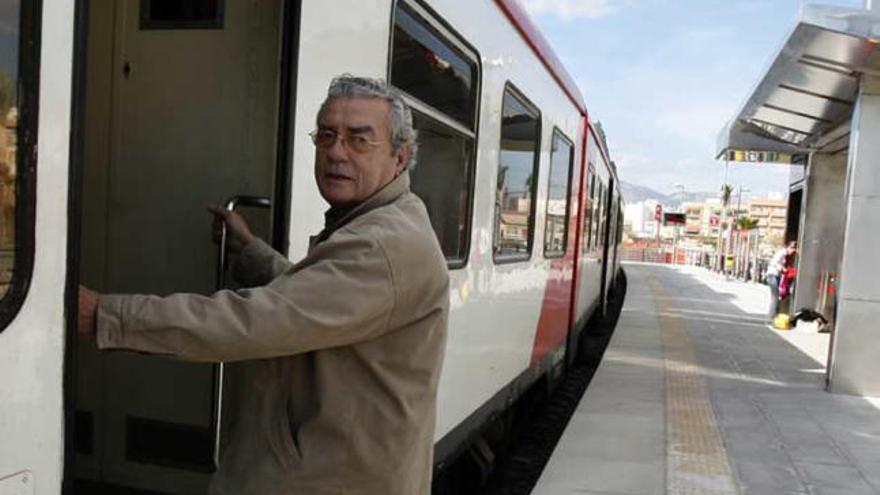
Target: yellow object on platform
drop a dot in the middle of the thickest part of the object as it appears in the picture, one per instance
(782, 322)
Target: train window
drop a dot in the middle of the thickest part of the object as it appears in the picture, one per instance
(600, 215)
(588, 209)
(18, 75)
(432, 69)
(438, 74)
(174, 14)
(558, 196)
(441, 179)
(517, 177)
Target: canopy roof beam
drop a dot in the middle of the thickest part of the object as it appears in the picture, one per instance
(795, 112)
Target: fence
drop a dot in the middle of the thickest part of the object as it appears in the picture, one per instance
(664, 254)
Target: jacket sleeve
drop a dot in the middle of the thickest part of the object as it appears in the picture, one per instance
(342, 293)
(259, 264)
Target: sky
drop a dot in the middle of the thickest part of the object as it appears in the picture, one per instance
(664, 76)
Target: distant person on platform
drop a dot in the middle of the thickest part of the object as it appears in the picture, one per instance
(779, 265)
(341, 352)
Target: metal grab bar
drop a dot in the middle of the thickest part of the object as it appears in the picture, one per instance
(232, 204)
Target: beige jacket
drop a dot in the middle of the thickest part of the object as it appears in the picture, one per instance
(338, 356)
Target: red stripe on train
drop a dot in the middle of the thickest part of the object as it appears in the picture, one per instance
(560, 294)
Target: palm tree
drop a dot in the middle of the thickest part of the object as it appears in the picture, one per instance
(747, 223)
(726, 192)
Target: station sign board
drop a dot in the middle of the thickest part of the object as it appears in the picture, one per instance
(753, 156)
(674, 219)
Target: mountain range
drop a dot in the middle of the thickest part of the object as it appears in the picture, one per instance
(634, 193)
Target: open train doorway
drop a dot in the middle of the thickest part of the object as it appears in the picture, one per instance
(185, 105)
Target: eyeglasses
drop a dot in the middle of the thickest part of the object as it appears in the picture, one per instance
(358, 143)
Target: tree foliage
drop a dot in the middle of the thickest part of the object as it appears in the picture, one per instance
(747, 223)
(726, 193)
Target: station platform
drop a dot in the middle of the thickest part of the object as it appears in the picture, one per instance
(697, 394)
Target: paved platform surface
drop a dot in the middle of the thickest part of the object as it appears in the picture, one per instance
(696, 394)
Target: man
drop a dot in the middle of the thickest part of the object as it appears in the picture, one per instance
(775, 269)
(342, 351)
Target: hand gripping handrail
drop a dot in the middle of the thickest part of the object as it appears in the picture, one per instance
(232, 204)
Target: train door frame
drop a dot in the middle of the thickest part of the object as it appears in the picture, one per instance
(287, 88)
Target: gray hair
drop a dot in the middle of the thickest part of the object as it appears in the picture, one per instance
(400, 117)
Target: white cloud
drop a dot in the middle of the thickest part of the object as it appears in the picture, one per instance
(567, 10)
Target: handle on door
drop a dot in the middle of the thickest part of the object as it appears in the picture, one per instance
(232, 204)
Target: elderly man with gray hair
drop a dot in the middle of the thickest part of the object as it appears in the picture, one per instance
(339, 354)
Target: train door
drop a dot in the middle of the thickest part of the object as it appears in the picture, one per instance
(182, 110)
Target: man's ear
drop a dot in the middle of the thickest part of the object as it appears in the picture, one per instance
(401, 159)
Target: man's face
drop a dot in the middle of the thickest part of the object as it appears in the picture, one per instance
(346, 177)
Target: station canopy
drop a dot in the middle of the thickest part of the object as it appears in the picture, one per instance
(805, 99)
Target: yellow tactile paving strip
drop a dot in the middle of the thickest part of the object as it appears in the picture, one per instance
(696, 460)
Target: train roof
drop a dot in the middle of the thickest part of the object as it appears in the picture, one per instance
(599, 133)
(533, 37)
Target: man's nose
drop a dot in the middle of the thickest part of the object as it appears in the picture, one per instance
(337, 151)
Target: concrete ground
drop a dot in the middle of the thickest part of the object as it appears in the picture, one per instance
(696, 394)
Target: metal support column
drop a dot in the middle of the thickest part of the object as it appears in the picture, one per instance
(855, 368)
(822, 220)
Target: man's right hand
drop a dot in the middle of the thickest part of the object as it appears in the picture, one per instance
(88, 309)
(238, 233)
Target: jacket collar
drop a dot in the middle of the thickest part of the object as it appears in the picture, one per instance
(335, 218)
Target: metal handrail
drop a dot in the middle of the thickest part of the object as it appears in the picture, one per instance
(232, 204)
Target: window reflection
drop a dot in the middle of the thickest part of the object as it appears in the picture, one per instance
(589, 214)
(558, 197)
(9, 15)
(517, 172)
(441, 178)
(430, 69)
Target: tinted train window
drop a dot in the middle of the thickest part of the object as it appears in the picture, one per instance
(17, 139)
(177, 14)
(588, 209)
(438, 75)
(600, 214)
(441, 179)
(558, 196)
(517, 174)
(432, 69)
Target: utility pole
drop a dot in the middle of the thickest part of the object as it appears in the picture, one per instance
(720, 245)
(677, 226)
(737, 249)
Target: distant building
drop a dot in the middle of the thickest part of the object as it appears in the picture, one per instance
(706, 219)
(703, 219)
(771, 215)
(8, 152)
(638, 218)
(8, 149)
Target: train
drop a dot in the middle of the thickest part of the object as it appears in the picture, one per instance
(124, 118)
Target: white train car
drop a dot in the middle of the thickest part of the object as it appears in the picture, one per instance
(126, 117)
